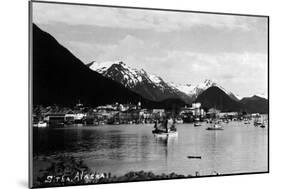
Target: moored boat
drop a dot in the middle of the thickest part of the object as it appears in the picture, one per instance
(258, 121)
(196, 122)
(164, 134)
(263, 124)
(194, 157)
(40, 124)
(166, 128)
(247, 122)
(215, 127)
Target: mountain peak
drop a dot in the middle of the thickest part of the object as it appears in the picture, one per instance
(208, 81)
(148, 85)
(260, 96)
(102, 66)
(206, 84)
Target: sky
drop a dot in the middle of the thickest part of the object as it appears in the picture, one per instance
(180, 47)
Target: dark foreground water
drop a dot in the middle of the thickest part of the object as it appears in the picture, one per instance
(239, 148)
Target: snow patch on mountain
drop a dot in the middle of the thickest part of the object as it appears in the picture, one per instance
(131, 76)
(195, 90)
(261, 95)
(186, 88)
(102, 66)
(154, 78)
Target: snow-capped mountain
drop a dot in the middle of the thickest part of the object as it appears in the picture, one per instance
(148, 85)
(186, 88)
(195, 90)
(261, 95)
(151, 86)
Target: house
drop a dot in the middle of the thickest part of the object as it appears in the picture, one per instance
(189, 113)
(55, 119)
(157, 113)
(212, 113)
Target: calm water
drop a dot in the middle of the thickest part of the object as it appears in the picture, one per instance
(123, 148)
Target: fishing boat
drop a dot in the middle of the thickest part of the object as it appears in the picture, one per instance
(164, 134)
(215, 126)
(257, 122)
(165, 129)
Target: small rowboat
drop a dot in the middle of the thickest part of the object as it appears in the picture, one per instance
(194, 157)
(263, 125)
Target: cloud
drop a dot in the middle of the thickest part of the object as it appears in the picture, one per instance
(179, 47)
(243, 73)
(161, 21)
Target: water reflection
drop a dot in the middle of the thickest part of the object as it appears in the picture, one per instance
(123, 148)
(165, 144)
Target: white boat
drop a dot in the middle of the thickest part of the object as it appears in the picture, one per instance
(247, 122)
(215, 127)
(165, 134)
(258, 121)
(179, 121)
(197, 122)
(263, 124)
(40, 124)
(165, 129)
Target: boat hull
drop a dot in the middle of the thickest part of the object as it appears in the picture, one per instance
(210, 128)
(165, 134)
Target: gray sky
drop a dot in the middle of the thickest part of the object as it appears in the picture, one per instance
(179, 47)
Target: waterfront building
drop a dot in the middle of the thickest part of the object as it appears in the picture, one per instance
(188, 114)
(158, 112)
(55, 119)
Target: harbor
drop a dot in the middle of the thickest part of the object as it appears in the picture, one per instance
(122, 148)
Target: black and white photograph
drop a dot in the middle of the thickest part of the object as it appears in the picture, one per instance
(126, 94)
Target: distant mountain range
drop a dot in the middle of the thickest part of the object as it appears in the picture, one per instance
(61, 78)
(215, 97)
(147, 85)
(195, 90)
(151, 86)
(255, 104)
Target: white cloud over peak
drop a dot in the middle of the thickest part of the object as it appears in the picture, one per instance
(162, 21)
(181, 47)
